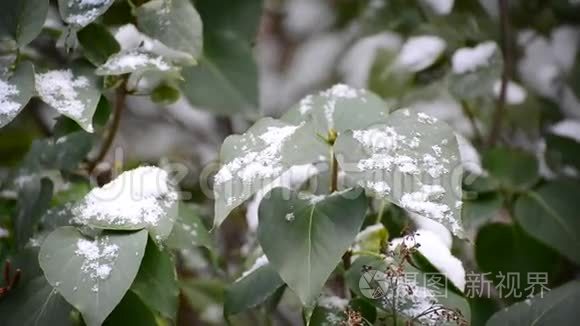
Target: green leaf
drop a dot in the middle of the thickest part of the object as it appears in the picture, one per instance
(33, 200)
(502, 249)
(92, 275)
(549, 214)
(22, 20)
(514, 169)
(479, 81)
(82, 13)
(242, 17)
(386, 79)
(73, 92)
(251, 290)
(16, 92)
(305, 236)
(562, 152)
(412, 161)
(136, 199)
(225, 81)
(253, 160)
(339, 108)
(98, 43)
(131, 311)
(35, 303)
(414, 292)
(130, 61)
(175, 23)
(165, 94)
(481, 210)
(557, 307)
(156, 282)
(189, 232)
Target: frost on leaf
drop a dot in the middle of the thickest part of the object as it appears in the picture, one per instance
(255, 159)
(72, 95)
(83, 12)
(140, 198)
(340, 107)
(133, 61)
(9, 107)
(413, 161)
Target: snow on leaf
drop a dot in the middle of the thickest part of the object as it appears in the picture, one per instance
(82, 12)
(260, 261)
(140, 198)
(440, 7)
(340, 107)
(412, 160)
(420, 52)
(15, 92)
(132, 61)
(71, 92)
(470, 59)
(515, 94)
(252, 161)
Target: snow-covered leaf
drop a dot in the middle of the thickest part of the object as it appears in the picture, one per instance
(136, 199)
(339, 108)
(413, 161)
(80, 13)
(253, 160)
(420, 52)
(440, 7)
(22, 20)
(304, 236)
(72, 92)
(475, 70)
(16, 92)
(131, 61)
(92, 274)
(332, 310)
(175, 23)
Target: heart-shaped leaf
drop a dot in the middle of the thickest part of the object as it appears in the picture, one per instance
(80, 13)
(137, 199)
(304, 236)
(253, 160)
(72, 92)
(16, 92)
(413, 161)
(550, 215)
(175, 23)
(22, 20)
(339, 108)
(92, 274)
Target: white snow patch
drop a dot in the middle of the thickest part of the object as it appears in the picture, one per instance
(4, 233)
(567, 128)
(134, 60)
(420, 52)
(137, 197)
(515, 94)
(438, 254)
(470, 158)
(7, 105)
(470, 59)
(427, 202)
(303, 18)
(99, 257)
(440, 7)
(59, 88)
(260, 261)
(333, 302)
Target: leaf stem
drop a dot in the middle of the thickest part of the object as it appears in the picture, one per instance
(120, 97)
(381, 211)
(507, 56)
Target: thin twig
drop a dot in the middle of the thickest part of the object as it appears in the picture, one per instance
(120, 97)
(507, 56)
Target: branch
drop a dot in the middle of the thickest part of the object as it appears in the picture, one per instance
(120, 96)
(507, 56)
